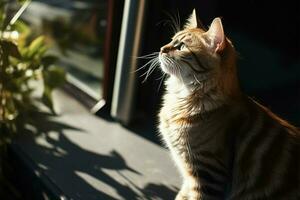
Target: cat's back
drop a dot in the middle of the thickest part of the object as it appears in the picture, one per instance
(267, 161)
(271, 124)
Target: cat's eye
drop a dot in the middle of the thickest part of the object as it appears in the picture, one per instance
(179, 46)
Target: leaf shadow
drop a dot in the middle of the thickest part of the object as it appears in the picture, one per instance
(77, 170)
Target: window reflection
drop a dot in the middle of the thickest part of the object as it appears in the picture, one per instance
(76, 32)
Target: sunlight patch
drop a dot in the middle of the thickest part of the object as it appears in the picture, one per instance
(96, 184)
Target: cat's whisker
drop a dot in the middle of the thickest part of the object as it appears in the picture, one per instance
(161, 77)
(149, 57)
(175, 67)
(167, 22)
(197, 79)
(145, 65)
(152, 67)
(153, 63)
(154, 54)
(173, 22)
(161, 81)
(172, 26)
(178, 19)
(148, 74)
(169, 61)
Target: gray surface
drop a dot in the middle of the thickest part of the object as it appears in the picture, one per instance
(90, 158)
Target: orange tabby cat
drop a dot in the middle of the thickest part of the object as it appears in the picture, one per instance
(226, 145)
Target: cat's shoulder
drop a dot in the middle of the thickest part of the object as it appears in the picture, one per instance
(291, 129)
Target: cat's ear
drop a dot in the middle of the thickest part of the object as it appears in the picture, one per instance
(216, 35)
(192, 21)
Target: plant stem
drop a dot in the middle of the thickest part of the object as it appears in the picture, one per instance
(19, 13)
(2, 99)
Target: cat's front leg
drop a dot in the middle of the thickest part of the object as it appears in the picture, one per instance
(189, 191)
(183, 193)
(194, 193)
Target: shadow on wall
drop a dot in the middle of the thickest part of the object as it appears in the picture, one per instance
(70, 165)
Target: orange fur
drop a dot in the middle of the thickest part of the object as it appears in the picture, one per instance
(208, 124)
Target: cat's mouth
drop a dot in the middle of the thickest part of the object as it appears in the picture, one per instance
(167, 64)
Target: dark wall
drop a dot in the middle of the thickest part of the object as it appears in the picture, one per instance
(266, 35)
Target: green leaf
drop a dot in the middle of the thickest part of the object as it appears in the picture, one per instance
(21, 27)
(35, 46)
(49, 60)
(11, 48)
(47, 98)
(22, 1)
(54, 77)
(2, 14)
(10, 109)
(41, 51)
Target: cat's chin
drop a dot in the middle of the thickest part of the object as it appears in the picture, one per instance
(169, 70)
(165, 67)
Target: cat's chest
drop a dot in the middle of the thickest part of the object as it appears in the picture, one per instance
(174, 125)
(180, 127)
(171, 118)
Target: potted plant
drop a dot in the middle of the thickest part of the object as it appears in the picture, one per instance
(23, 61)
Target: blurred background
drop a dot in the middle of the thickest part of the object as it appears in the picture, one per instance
(76, 32)
(98, 42)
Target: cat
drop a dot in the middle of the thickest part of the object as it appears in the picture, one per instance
(225, 144)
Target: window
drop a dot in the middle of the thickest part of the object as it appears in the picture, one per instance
(76, 32)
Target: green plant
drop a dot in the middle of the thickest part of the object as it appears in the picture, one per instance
(23, 61)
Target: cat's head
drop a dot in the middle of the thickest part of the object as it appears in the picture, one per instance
(195, 54)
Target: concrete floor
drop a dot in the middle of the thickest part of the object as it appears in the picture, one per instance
(90, 158)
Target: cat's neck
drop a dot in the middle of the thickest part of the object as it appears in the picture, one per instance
(193, 99)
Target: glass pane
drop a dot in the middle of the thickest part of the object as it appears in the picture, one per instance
(76, 32)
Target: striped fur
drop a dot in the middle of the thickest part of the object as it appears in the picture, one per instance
(225, 145)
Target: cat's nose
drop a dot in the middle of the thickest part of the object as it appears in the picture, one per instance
(166, 49)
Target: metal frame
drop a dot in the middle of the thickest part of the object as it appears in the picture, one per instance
(130, 41)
